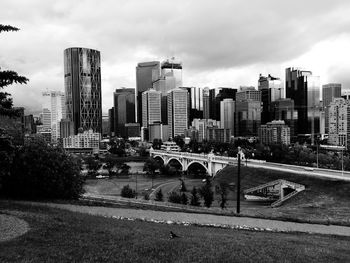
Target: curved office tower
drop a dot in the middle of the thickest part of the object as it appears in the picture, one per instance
(82, 81)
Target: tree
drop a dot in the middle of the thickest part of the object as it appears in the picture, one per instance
(8, 77)
(157, 143)
(179, 141)
(223, 194)
(182, 186)
(207, 193)
(159, 195)
(41, 171)
(184, 199)
(110, 163)
(150, 167)
(93, 165)
(117, 146)
(194, 197)
(174, 197)
(128, 192)
(124, 169)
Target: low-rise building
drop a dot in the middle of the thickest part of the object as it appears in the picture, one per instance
(274, 132)
(87, 139)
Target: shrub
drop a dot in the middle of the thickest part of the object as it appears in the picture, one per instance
(40, 171)
(146, 196)
(128, 192)
(174, 197)
(194, 197)
(184, 199)
(159, 195)
(207, 193)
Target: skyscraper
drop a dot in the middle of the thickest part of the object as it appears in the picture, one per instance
(304, 89)
(177, 111)
(54, 109)
(146, 74)
(271, 90)
(124, 110)
(172, 69)
(227, 115)
(339, 126)
(223, 93)
(82, 81)
(329, 92)
(206, 103)
(151, 107)
(283, 109)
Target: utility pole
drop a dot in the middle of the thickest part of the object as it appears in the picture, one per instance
(238, 181)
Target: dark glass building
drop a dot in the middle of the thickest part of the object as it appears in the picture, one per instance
(304, 89)
(224, 93)
(146, 74)
(124, 110)
(82, 81)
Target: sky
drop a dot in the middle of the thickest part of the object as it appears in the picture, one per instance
(222, 43)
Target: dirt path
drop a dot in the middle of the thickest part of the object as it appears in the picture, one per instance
(205, 219)
(11, 227)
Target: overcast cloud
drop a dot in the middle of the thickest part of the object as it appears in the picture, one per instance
(221, 43)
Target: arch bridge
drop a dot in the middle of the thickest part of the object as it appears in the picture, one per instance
(210, 162)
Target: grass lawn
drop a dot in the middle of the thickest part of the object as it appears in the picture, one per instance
(64, 236)
(323, 200)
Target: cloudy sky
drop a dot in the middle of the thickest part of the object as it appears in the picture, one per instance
(220, 43)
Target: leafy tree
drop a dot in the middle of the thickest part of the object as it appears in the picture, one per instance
(128, 192)
(184, 199)
(194, 197)
(146, 196)
(117, 146)
(157, 143)
(110, 163)
(93, 165)
(124, 169)
(183, 186)
(41, 171)
(159, 195)
(8, 77)
(150, 167)
(207, 193)
(223, 191)
(174, 197)
(179, 141)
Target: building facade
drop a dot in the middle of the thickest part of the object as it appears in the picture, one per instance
(339, 122)
(151, 107)
(304, 89)
(271, 90)
(124, 110)
(82, 81)
(329, 92)
(283, 109)
(177, 112)
(146, 74)
(227, 115)
(206, 103)
(275, 132)
(87, 139)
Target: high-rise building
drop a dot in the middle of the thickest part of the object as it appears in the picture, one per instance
(222, 93)
(82, 80)
(248, 117)
(201, 126)
(339, 122)
(124, 109)
(177, 112)
(105, 125)
(212, 104)
(54, 109)
(151, 107)
(274, 132)
(248, 93)
(283, 109)
(329, 92)
(111, 122)
(227, 115)
(304, 89)
(195, 103)
(206, 103)
(146, 74)
(29, 125)
(66, 128)
(172, 69)
(271, 90)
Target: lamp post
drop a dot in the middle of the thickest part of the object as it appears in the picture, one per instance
(238, 181)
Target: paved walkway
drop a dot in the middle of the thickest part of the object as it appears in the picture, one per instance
(11, 227)
(205, 219)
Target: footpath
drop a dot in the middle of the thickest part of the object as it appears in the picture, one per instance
(203, 219)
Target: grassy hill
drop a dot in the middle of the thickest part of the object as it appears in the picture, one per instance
(63, 236)
(322, 201)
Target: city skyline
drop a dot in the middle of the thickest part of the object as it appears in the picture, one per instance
(218, 47)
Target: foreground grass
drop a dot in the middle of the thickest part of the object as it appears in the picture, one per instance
(323, 201)
(63, 236)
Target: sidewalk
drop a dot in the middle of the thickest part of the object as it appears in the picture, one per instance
(205, 219)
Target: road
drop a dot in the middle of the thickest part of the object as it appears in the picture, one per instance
(310, 171)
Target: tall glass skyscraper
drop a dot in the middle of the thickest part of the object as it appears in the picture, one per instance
(304, 89)
(124, 110)
(146, 74)
(82, 81)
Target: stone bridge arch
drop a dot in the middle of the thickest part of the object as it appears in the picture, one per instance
(176, 159)
(202, 164)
